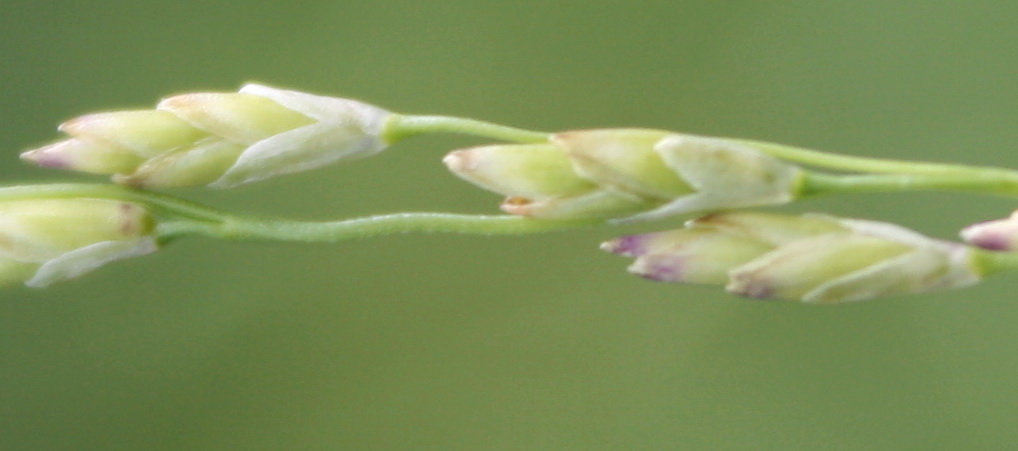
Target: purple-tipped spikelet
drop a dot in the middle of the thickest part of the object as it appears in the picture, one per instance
(995, 235)
(811, 258)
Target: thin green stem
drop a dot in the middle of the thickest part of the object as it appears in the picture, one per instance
(155, 202)
(991, 262)
(876, 165)
(400, 127)
(818, 183)
(333, 231)
(182, 218)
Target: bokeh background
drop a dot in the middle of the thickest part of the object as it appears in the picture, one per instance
(537, 342)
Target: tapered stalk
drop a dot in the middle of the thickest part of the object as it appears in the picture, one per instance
(849, 163)
(991, 262)
(181, 218)
(400, 127)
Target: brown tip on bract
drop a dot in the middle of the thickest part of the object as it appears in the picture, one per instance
(129, 180)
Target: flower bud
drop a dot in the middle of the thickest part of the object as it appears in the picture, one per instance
(218, 139)
(80, 155)
(539, 181)
(811, 258)
(533, 171)
(996, 235)
(49, 240)
(632, 174)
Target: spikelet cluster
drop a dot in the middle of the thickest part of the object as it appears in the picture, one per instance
(217, 139)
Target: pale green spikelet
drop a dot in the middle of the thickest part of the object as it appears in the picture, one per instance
(217, 139)
(49, 240)
(627, 174)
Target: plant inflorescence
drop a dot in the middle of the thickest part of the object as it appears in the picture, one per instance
(550, 181)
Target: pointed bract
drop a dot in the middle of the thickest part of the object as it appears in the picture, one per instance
(200, 164)
(996, 235)
(533, 171)
(240, 118)
(706, 259)
(623, 159)
(539, 181)
(345, 129)
(145, 133)
(794, 270)
(78, 155)
(723, 174)
(85, 259)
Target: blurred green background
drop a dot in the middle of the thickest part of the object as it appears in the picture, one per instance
(539, 342)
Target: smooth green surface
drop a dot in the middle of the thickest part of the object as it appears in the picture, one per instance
(538, 342)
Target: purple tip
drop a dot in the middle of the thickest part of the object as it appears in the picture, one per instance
(45, 159)
(660, 268)
(992, 242)
(628, 246)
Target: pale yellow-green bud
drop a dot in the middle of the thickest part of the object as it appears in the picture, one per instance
(534, 171)
(49, 240)
(539, 181)
(626, 174)
(811, 258)
(218, 139)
